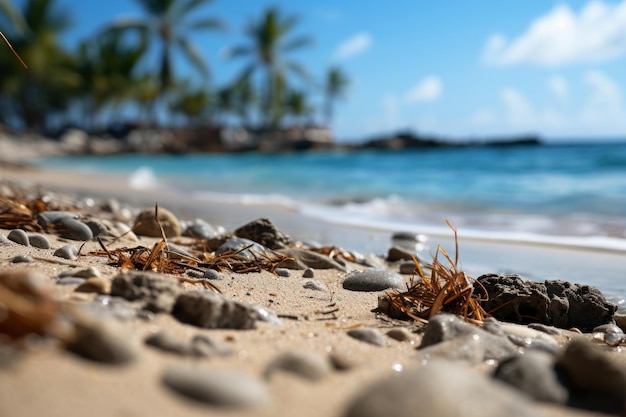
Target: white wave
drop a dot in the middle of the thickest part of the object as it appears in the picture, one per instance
(248, 199)
(143, 178)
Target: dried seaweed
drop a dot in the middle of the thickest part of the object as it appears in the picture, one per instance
(234, 262)
(21, 212)
(448, 289)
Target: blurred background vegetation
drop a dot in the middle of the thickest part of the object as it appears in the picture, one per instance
(125, 73)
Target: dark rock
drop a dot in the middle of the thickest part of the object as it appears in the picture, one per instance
(533, 373)
(147, 225)
(282, 272)
(39, 241)
(303, 259)
(308, 273)
(212, 274)
(99, 229)
(553, 302)
(264, 231)
(71, 228)
(595, 380)
(217, 387)
(213, 311)
(202, 229)
(308, 365)
(368, 335)
(245, 249)
(19, 236)
(373, 280)
(67, 252)
(315, 286)
(21, 259)
(399, 254)
(168, 342)
(158, 291)
(441, 390)
(407, 267)
(49, 218)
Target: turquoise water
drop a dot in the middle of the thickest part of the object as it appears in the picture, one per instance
(535, 193)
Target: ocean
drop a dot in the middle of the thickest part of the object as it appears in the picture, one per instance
(563, 196)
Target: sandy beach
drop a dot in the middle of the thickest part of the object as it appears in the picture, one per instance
(47, 379)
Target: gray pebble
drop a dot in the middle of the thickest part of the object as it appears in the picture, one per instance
(236, 245)
(308, 273)
(4, 240)
(315, 286)
(67, 252)
(212, 274)
(168, 342)
(200, 228)
(373, 280)
(308, 365)
(407, 267)
(213, 311)
(73, 229)
(205, 345)
(39, 241)
(442, 390)
(70, 281)
(91, 272)
(401, 335)
(19, 259)
(157, 292)
(48, 218)
(282, 272)
(19, 236)
(217, 387)
(368, 335)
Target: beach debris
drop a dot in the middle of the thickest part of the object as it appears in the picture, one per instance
(318, 258)
(27, 304)
(156, 222)
(19, 58)
(244, 256)
(552, 302)
(448, 289)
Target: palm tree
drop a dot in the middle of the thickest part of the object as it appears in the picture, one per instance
(168, 22)
(270, 40)
(298, 105)
(334, 88)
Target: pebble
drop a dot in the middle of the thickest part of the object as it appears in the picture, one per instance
(400, 334)
(205, 345)
(39, 241)
(20, 259)
(168, 342)
(368, 335)
(99, 229)
(70, 281)
(73, 229)
(202, 229)
(441, 390)
(18, 236)
(99, 285)
(305, 364)
(158, 292)
(213, 311)
(308, 273)
(236, 245)
(373, 280)
(67, 252)
(407, 268)
(126, 232)
(4, 240)
(282, 272)
(89, 272)
(146, 224)
(217, 387)
(302, 259)
(265, 232)
(212, 274)
(315, 286)
(49, 218)
(396, 253)
(534, 374)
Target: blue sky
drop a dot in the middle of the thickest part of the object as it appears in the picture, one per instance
(458, 69)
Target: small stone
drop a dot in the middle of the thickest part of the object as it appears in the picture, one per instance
(205, 346)
(407, 268)
(157, 291)
(282, 272)
(19, 259)
(401, 335)
(99, 229)
(49, 218)
(70, 281)
(373, 280)
(265, 232)
(4, 240)
(298, 258)
(315, 286)
(90, 272)
(213, 311)
(308, 365)
(39, 241)
(368, 335)
(236, 246)
(67, 252)
(620, 320)
(98, 285)
(147, 225)
(19, 236)
(168, 342)
(212, 274)
(396, 253)
(202, 229)
(308, 273)
(217, 387)
(72, 229)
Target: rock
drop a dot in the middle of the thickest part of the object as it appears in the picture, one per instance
(204, 345)
(399, 254)
(282, 272)
(264, 232)
(315, 286)
(98, 285)
(101, 341)
(597, 381)
(237, 245)
(474, 341)
(533, 373)
(99, 229)
(407, 268)
(553, 302)
(18, 236)
(168, 342)
(67, 252)
(620, 320)
(39, 241)
(213, 311)
(21, 259)
(308, 273)
(441, 390)
(400, 334)
(217, 387)
(147, 225)
(4, 240)
(49, 218)
(202, 229)
(303, 259)
(610, 334)
(212, 274)
(73, 229)
(368, 335)
(90, 272)
(158, 291)
(307, 365)
(373, 280)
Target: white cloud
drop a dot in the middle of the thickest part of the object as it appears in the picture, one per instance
(597, 33)
(353, 46)
(519, 111)
(428, 89)
(605, 104)
(559, 86)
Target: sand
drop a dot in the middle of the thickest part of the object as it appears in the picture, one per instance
(49, 381)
